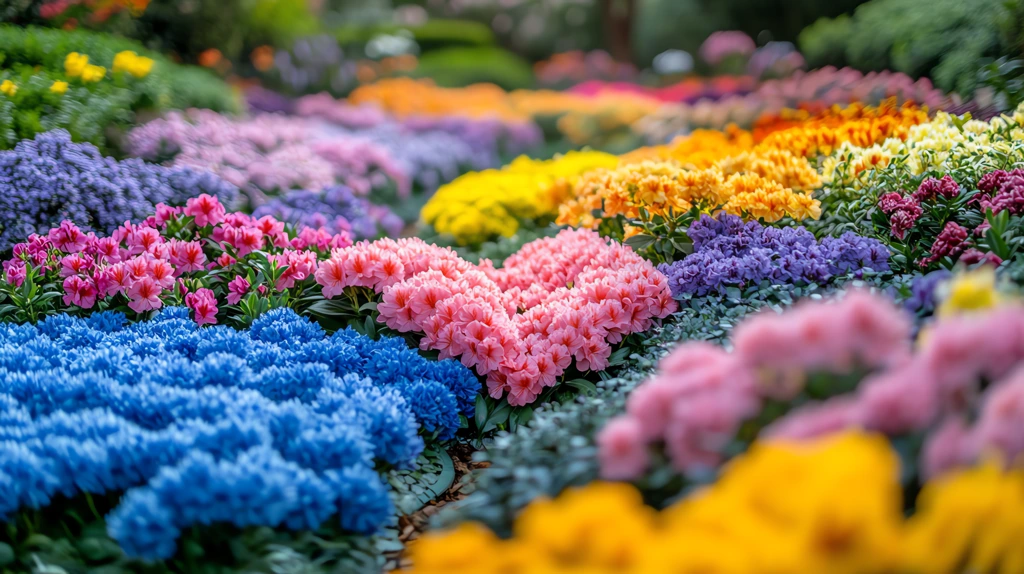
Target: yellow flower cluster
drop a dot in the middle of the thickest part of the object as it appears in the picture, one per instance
(59, 87)
(132, 63)
(8, 88)
(483, 205)
(833, 505)
(943, 145)
(77, 66)
(742, 186)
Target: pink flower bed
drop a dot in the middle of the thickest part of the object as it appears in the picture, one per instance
(198, 255)
(702, 394)
(558, 299)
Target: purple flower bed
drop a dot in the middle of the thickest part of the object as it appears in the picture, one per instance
(728, 253)
(336, 209)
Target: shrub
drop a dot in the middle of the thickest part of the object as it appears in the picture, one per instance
(458, 67)
(35, 58)
(946, 40)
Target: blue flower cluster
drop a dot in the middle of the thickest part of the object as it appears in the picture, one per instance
(278, 425)
(731, 253)
(51, 178)
(336, 209)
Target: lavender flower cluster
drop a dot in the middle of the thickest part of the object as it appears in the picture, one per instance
(731, 253)
(336, 209)
(50, 178)
(281, 425)
(434, 149)
(269, 154)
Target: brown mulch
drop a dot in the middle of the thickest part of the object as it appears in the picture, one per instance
(411, 526)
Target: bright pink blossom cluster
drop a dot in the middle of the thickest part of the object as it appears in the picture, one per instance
(147, 265)
(702, 393)
(558, 299)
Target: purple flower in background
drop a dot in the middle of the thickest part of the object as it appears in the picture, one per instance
(269, 154)
(726, 43)
(335, 208)
(51, 178)
(731, 253)
(922, 291)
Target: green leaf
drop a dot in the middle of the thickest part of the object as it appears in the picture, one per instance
(481, 411)
(638, 242)
(498, 416)
(444, 479)
(583, 385)
(371, 306)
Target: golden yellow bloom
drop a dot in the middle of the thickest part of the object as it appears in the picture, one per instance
(782, 507)
(59, 87)
(405, 96)
(969, 521)
(699, 150)
(93, 73)
(970, 291)
(780, 166)
(9, 88)
(75, 63)
(483, 205)
(664, 188)
(132, 63)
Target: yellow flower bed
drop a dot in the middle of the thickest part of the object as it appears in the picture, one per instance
(483, 205)
(832, 505)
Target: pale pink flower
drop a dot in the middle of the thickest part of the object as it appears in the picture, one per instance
(622, 450)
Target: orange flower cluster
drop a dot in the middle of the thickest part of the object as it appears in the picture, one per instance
(668, 190)
(407, 97)
(699, 150)
(777, 165)
(812, 135)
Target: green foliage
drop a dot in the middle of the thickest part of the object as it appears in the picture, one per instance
(946, 40)
(234, 27)
(432, 34)
(456, 67)
(1006, 77)
(33, 58)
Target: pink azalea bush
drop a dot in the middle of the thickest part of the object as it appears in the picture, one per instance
(559, 299)
(198, 255)
(703, 397)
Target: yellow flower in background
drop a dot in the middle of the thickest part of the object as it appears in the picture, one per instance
(75, 64)
(479, 206)
(93, 73)
(59, 87)
(132, 63)
(973, 290)
(9, 88)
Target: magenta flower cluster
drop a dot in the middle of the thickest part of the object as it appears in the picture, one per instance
(197, 255)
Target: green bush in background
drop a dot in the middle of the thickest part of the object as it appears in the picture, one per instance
(454, 67)
(946, 40)
(33, 59)
(431, 35)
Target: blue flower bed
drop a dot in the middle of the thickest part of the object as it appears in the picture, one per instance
(280, 425)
